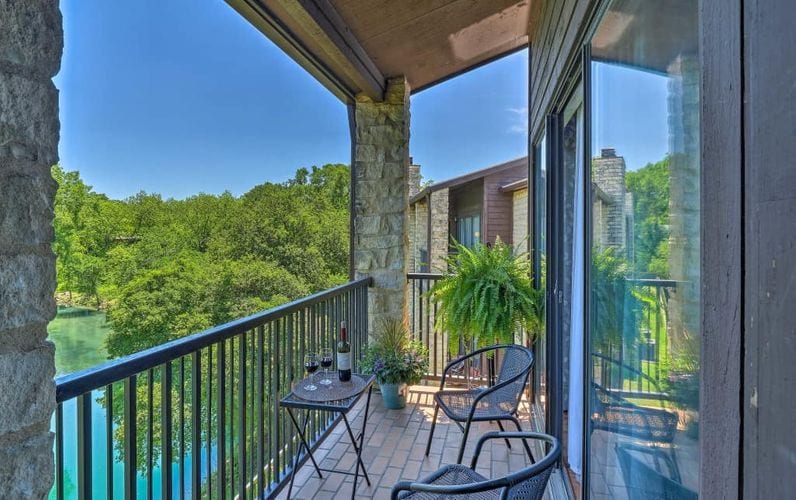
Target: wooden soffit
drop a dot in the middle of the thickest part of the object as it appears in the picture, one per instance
(353, 46)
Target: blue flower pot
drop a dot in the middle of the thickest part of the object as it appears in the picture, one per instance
(394, 395)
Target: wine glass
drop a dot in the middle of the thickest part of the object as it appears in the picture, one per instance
(311, 365)
(326, 363)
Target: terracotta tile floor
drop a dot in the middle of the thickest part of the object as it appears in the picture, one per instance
(395, 443)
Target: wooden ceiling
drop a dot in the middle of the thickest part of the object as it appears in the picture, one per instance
(353, 46)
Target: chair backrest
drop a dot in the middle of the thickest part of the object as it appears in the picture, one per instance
(517, 360)
(531, 482)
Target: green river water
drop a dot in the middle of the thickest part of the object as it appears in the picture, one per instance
(79, 337)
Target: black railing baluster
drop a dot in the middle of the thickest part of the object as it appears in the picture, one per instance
(196, 424)
(268, 445)
(59, 451)
(242, 416)
(261, 475)
(150, 432)
(232, 422)
(84, 445)
(165, 431)
(221, 431)
(277, 346)
(130, 437)
(209, 423)
(182, 428)
(109, 441)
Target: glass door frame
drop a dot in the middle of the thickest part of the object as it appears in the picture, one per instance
(555, 271)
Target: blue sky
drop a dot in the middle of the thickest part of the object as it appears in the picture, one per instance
(634, 120)
(180, 97)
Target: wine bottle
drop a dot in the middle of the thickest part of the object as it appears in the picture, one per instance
(343, 355)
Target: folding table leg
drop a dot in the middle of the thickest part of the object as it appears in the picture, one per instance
(361, 446)
(301, 430)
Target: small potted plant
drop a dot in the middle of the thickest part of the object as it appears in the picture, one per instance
(396, 361)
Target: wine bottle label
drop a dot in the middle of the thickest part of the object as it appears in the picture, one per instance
(343, 360)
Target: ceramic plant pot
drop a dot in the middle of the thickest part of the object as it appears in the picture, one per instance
(394, 395)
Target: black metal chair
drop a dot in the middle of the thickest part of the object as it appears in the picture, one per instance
(496, 403)
(459, 481)
(615, 414)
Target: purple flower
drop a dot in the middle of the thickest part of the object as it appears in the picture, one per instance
(378, 365)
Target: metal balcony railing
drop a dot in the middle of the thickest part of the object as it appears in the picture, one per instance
(632, 359)
(199, 416)
(422, 318)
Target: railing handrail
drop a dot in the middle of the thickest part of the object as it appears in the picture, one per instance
(656, 282)
(80, 382)
(424, 276)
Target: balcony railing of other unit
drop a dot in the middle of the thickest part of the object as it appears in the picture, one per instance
(634, 361)
(422, 317)
(200, 416)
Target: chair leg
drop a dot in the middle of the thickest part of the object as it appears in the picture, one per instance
(524, 441)
(464, 442)
(433, 425)
(500, 424)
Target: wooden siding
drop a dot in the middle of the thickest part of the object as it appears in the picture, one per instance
(722, 233)
(498, 206)
(557, 30)
(769, 408)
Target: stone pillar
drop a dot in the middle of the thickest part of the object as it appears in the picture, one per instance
(381, 188)
(684, 217)
(440, 231)
(419, 236)
(31, 41)
(519, 222)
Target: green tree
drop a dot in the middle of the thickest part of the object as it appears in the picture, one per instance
(650, 188)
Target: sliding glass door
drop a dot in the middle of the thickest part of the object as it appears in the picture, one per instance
(565, 281)
(644, 285)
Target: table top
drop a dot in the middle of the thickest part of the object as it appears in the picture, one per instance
(292, 400)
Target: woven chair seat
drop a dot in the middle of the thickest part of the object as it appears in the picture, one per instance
(631, 420)
(457, 405)
(453, 475)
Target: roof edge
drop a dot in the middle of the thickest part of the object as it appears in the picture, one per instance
(456, 181)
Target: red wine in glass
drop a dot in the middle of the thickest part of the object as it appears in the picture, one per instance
(311, 365)
(326, 363)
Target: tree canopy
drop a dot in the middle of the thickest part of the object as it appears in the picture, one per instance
(165, 268)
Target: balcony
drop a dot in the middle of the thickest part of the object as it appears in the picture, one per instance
(214, 397)
(395, 449)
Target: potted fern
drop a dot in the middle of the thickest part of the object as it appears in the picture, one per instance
(396, 361)
(486, 296)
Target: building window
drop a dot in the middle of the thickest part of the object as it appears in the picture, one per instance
(468, 230)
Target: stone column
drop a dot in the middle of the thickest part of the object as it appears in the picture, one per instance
(31, 41)
(684, 256)
(381, 188)
(440, 236)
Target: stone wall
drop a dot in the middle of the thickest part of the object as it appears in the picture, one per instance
(684, 216)
(440, 226)
(519, 222)
(608, 173)
(381, 161)
(418, 236)
(31, 42)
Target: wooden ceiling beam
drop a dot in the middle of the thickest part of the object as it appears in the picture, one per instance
(366, 73)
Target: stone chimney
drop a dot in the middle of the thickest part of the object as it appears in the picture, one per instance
(608, 173)
(413, 178)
